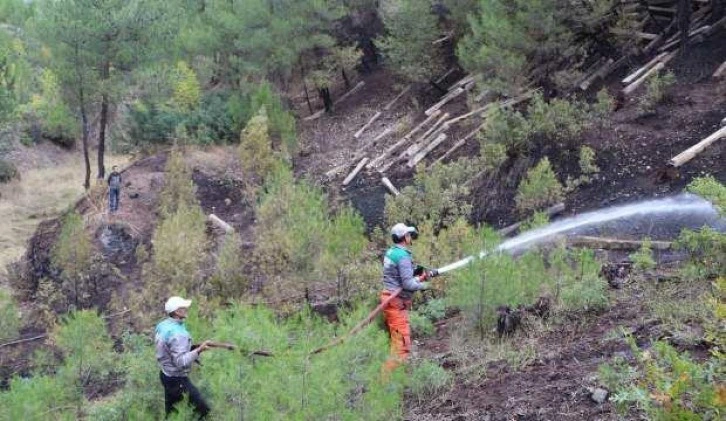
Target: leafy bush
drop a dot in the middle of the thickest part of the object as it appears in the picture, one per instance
(538, 219)
(587, 161)
(438, 194)
(656, 90)
(707, 249)
(281, 123)
(73, 255)
(668, 385)
(229, 278)
(187, 92)
(8, 172)
(428, 379)
(179, 189)
(420, 324)
(643, 258)
(434, 309)
(9, 317)
(540, 188)
(710, 189)
(55, 117)
(255, 149)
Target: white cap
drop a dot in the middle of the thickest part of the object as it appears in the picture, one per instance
(399, 230)
(175, 303)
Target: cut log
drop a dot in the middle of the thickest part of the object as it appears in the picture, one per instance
(442, 39)
(614, 243)
(716, 26)
(635, 85)
(353, 90)
(336, 170)
(668, 10)
(394, 100)
(214, 219)
(694, 150)
(460, 143)
(507, 103)
(445, 75)
(702, 30)
(419, 142)
(463, 81)
(637, 34)
(22, 341)
(413, 131)
(636, 74)
(391, 188)
(446, 99)
(360, 154)
(585, 85)
(721, 71)
(380, 158)
(367, 125)
(551, 211)
(355, 171)
(430, 147)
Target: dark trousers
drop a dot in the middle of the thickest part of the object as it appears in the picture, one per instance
(174, 390)
(113, 197)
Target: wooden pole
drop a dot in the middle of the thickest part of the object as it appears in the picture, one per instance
(418, 143)
(355, 171)
(635, 85)
(393, 101)
(721, 71)
(694, 150)
(461, 142)
(596, 74)
(220, 223)
(639, 72)
(22, 341)
(360, 325)
(446, 99)
(368, 124)
(421, 124)
(391, 188)
(430, 147)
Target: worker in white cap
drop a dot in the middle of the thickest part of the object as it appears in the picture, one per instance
(175, 355)
(399, 272)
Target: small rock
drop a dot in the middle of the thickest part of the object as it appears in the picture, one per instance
(598, 395)
(134, 195)
(227, 201)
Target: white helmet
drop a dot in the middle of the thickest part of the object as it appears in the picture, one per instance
(175, 303)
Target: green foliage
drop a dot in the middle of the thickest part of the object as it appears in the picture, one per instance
(656, 90)
(229, 278)
(540, 188)
(73, 255)
(587, 161)
(411, 28)
(255, 149)
(707, 249)
(643, 258)
(281, 123)
(421, 325)
(510, 39)
(299, 240)
(8, 172)
(55, 118)
(604, 104)
(710, 189)
(438, 194)
(668, 385)
(180, 243)
(434, 309)
(537, 220)
(9, 317)
(428, 379)
(36, 398)
(179, 189)
(187, 92)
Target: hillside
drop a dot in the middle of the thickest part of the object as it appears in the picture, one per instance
(256, 182)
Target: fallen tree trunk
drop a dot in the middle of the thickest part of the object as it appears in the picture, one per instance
(421, 124)
(639, 72)
(694, 150)
(418, 143)
(377, 161)
(551, 211)
(393, 101)
(367, 125)
(445, 75)
(507, 103)
(461, 82)
(355, 171)
(636, 84)
(430, 147)
(318, 114)
(461, 142)
(391, 188)
(214, 219)
(702, 30)
(22, 341)
(721, 71)
(596, 74)
(446, 99)
(614, 243)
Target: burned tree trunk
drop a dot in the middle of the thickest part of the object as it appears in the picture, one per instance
(683, 16)
(325, 96)
(345, 79)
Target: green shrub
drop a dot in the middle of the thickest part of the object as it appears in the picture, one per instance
(421, 325)
(538, 219)
(656, 90)
(643, 258)
(434, 309)
(255, 149)
(428, 379)
(540, 188)
(73, 255)
(180, 243)
(179, 189)
(587, 161)
(710, 189)
(438, 194)
(707, 249)
(505, 126)
(56, 120)
(9, 317)
(668, 385)
(281, 122)
(229, 280)
(604, 105)
(8, 172)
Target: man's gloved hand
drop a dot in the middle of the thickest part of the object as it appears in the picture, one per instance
(432, 273)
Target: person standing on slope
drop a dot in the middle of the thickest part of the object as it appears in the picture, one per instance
(114, 189)
(175, 356)
(398, 272)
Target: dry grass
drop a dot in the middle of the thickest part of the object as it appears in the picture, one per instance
(41, 193)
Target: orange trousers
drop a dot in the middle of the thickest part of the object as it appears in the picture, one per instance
(395, 313)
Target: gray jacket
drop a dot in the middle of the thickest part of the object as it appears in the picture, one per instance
(398, 271)
(173, 348)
